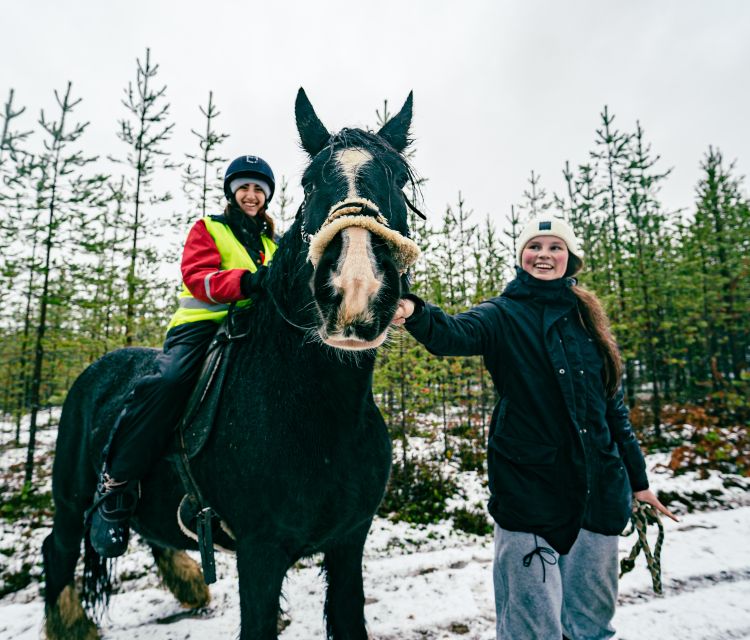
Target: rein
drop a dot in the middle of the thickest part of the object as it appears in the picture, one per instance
(283, 315)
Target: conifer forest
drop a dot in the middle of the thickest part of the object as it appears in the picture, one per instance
(84, 255)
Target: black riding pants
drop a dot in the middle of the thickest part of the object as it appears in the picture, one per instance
(156, 403)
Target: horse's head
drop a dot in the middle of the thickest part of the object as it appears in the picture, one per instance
(354, 219)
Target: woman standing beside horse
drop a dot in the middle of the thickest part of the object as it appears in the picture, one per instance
(563, 461)
(224, 261)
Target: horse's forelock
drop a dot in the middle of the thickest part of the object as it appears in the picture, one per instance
(394, 165)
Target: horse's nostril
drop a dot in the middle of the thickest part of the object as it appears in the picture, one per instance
(358, 331)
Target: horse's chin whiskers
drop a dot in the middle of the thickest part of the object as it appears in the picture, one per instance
(349, 356)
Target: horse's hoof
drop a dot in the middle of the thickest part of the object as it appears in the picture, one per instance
(183, 577)
(67, 620)
(282, 622)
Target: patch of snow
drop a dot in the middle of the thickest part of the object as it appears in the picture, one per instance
(422, 581)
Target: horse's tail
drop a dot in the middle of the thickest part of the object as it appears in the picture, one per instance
(96, 586)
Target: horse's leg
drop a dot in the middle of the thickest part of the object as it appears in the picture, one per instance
(182, 576)
(261, 568)
(345, 596)
(65, 618)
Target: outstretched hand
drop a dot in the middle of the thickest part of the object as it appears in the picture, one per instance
(403, 311)
(649, 497)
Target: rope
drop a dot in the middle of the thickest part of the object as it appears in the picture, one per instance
(642, 515)
(283, 315)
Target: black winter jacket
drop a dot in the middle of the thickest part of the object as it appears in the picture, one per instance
(561, 456)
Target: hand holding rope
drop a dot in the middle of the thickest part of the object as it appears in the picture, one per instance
(646, 508)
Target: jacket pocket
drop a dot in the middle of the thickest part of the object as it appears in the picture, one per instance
(523, 451)
(610, 500)
(524, 482)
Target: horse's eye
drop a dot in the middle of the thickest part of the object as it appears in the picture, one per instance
(401, 180)
(309, 187)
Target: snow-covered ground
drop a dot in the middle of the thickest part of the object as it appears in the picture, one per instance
(428, 582)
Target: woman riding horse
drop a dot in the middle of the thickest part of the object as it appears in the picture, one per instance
(224, 261)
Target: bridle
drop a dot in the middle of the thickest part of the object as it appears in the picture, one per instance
(283, 315)
(351, 212)
(348, 207)
(413, 208)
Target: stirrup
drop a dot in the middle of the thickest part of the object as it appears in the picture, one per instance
(114, 503)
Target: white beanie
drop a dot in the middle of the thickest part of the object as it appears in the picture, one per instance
(238, 182)
(556, 227)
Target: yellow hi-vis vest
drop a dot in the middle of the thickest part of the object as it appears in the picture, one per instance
(233, 256)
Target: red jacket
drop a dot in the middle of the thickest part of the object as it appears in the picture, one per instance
(201, 269)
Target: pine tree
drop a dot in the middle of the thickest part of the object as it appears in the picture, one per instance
(535, 201)
(13, 166)
(721, 237)
(99, 273)
(204, 181)
(13, 159)
(580, 209)
(63, 188)
(284, 216)
(144, 134)
(612, 155)
(645, 242)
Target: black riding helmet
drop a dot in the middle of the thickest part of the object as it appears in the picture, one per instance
(251, 167)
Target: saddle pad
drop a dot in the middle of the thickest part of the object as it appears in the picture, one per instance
(198, 419)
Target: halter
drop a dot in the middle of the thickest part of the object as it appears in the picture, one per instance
(306, 235)
(346, 213)
(361, 212)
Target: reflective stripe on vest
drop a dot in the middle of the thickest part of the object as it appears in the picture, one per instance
(189, 302)
(233, 256)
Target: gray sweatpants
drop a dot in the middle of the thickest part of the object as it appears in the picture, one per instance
(541, 595)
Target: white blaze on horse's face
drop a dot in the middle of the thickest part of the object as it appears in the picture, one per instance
(356, 277)
(350, 161)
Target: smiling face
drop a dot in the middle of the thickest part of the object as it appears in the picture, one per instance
(545, 257)
(250, 197)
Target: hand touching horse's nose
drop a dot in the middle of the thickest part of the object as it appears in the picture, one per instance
(403, 311)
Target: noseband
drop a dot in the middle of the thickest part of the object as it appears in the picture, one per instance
(360, 212)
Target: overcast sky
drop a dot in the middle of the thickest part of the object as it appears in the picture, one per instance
(500, 87)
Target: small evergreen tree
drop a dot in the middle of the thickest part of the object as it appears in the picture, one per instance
(62, 188)
(203, 184)
(144, 133)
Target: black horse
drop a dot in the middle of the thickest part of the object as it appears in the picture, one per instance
(299, 456)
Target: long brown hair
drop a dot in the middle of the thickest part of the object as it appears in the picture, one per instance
(266, 223)
(597, 324)
(268, 227)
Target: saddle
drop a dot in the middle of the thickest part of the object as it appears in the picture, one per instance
(195, 516)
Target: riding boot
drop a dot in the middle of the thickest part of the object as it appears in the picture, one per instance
(114, 503)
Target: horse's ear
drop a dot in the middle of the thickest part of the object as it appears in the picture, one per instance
(312, 133)
(396, 130)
